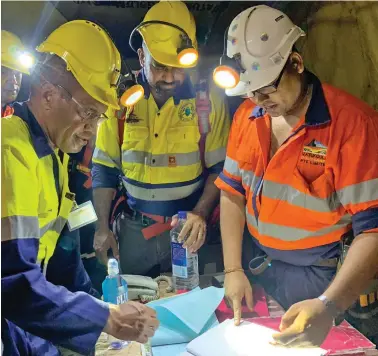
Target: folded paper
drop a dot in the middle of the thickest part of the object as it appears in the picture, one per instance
(186, 316)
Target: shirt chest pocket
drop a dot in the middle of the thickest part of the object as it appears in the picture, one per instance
(135, 138)
(248, 149)
(183, 139)
(319, 194)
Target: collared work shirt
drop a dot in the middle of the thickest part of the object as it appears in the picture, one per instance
(321, 182)
(160, 157)
(35, 203)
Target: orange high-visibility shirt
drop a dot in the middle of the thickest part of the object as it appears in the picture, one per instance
(321, 182)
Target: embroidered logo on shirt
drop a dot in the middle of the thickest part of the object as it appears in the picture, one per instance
(130, 116)
(132, 119)
(187, 112)
(314, 153)
(172, 161)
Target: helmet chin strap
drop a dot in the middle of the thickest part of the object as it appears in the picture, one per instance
(302, 98)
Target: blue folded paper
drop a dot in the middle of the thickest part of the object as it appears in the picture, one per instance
(169, 350)
(186, 316)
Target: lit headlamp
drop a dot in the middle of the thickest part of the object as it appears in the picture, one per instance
(227, 74)
(129, 91)
(26, 59)
(187, 55)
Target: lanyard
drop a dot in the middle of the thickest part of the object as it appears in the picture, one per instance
(56, 177)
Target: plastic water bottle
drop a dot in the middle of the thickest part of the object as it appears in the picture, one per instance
(185, 274)
(115, 291)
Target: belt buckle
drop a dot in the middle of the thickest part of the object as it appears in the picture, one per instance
(145, 221)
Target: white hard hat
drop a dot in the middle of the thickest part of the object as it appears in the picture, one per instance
(260, 39)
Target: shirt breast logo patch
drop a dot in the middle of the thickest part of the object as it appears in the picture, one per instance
(172, 161)
(314, 153)
(132, 119)
(187, 112)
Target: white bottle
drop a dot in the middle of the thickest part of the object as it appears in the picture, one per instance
(185, 274)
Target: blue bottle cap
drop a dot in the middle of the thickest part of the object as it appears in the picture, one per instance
(182, 214)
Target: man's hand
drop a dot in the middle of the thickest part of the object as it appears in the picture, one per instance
(194, 228)
(237, 287)
(103, 241)
(131, 321)
(305, 324)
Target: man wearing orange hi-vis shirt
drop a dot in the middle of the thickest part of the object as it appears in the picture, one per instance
(302, 171)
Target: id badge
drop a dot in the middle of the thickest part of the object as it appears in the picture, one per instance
(81, 215)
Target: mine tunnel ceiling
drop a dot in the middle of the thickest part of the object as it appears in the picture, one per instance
(212, 18)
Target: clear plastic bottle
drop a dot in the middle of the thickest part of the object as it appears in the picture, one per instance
(185, 274)
(115, 291)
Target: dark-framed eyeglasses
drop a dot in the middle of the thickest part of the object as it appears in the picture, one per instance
(268, 89)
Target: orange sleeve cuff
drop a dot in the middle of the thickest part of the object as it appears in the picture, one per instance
(229, 185)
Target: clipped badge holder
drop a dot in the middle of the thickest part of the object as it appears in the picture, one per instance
(81, 215)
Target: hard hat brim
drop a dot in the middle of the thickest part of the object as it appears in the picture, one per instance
(240, 89)
(253, 80)
(108, 98)
(16, 68)
(168, 57)
(97, 74)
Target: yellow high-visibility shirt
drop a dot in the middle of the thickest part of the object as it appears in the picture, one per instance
(160, 156)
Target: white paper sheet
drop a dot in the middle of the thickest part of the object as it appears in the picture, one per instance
(248, 339)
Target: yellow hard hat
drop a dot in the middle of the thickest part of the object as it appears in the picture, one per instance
(90, 55)
(13, 53)
(164, 41)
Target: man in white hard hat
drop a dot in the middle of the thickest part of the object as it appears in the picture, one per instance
(71, 90)
(302, 171)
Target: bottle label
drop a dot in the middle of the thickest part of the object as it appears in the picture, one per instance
(179, 260)
(122, 295)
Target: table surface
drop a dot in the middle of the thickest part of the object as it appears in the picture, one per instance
(134, 349)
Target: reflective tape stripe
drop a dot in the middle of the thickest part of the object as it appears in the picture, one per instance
(56, 225)
(232, 167)
(214, 157)
(19, 227)
(59, 224)
(46, 228)
(102, 156)
(251, 220)
(250, 179)
(359, 193)
(287, 233)
(295, 197)
(161, 160)
(162, 194)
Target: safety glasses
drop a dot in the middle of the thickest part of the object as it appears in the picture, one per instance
(87, 114)
(268, 89)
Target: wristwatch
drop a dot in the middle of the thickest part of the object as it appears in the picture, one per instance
(330, 306)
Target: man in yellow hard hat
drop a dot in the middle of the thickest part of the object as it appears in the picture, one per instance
(71, 89)
(15, 61)
(159, 146)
